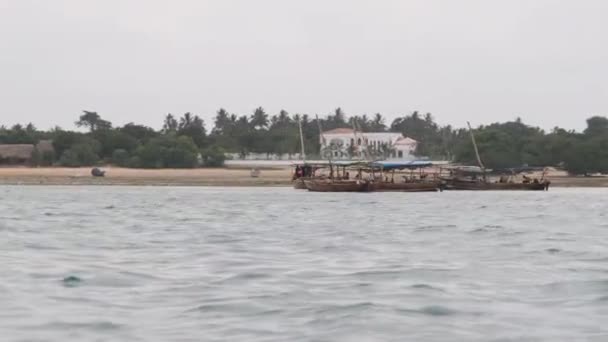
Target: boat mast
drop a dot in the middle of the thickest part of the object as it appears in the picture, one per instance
(355, 134)
(483, 168)
(331, 169)
(302, 141)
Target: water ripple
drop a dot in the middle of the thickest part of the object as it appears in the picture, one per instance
(241, 264)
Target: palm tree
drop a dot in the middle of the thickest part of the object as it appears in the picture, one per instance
(259, 119)
(221, 121)
(185, 121)
(170, 124)
(93, 121)
(378, 123)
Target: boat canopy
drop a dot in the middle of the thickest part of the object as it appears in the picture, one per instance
(345, 163)
(518, 170)
(401, 165)
(466, 169)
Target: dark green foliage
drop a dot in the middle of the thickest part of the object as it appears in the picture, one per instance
(213, 156)
(193, 127)
(168, 151)
(433, 141)
(81, 154)
(140, 133)
(45, 158)
(183, 139)
(20, 135)
(48, 158)
(63, 140)
(514, 144)
(92, 121)
(170, 124)
(121, 157)
(112, 140)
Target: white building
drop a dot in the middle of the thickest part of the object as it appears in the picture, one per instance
(343, 143)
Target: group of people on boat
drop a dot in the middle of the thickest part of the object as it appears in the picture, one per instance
(303, 171)
(525, 180)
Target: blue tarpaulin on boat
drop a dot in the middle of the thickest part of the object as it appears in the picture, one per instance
(399, 165)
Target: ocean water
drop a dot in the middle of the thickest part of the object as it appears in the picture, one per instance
(277, 264)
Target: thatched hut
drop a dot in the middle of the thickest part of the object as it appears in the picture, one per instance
(16, 154)
(45, 146)
(26, 154)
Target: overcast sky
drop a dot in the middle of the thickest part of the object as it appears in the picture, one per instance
(132, 60)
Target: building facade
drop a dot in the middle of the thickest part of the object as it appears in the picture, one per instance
(345, 143)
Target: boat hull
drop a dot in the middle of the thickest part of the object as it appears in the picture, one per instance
(407, 187)
(299, 184)
(337, 186)
(479, 186)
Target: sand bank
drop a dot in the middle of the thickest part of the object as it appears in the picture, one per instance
(121, 176)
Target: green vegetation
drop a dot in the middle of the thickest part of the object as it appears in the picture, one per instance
(184, 142)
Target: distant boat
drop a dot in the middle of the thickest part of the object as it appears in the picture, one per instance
(463, 185)
(474, 178)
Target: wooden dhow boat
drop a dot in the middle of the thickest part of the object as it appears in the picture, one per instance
(404, 176)
(321, 171)
(456, 184)
(477, 177)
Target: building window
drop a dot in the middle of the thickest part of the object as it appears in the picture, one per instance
(400, 154)
(352, 142)
(359, 142)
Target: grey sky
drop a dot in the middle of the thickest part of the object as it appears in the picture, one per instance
(477, 60)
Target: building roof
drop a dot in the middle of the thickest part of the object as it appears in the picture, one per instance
(16, 151)
(405, 141)
(340, 131)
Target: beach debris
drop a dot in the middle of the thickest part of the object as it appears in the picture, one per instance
(97, 172)
(255, 173)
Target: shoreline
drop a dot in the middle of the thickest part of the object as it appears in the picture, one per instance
(144, 177)
(227, 177)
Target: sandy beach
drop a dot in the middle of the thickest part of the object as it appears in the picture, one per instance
(164, 177)
(193, 177)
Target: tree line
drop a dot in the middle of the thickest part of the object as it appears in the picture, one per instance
(185, 142)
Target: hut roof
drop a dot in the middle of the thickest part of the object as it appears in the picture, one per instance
(45, 146)
(16, 151)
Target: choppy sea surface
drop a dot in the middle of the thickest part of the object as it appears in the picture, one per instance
(277, 264)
